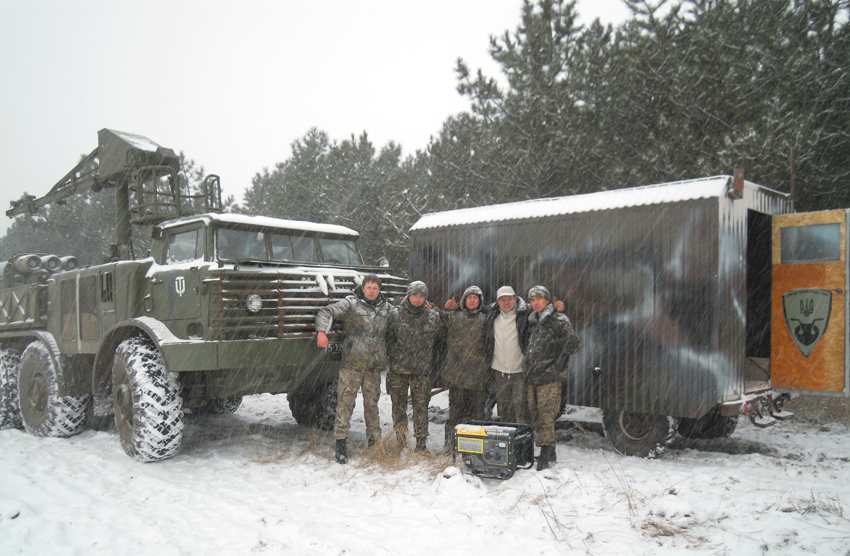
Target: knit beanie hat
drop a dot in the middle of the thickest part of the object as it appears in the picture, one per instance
(417, 288)
(539, 291)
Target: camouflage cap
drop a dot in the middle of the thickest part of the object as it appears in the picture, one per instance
(539, 291)
(417, 288)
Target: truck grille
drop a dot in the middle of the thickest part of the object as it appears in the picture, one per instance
(289, 302)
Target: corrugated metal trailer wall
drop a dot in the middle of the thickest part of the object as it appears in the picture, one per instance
(656, 292)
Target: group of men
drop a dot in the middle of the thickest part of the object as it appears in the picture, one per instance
(522, 347)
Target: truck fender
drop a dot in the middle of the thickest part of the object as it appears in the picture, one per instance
(102, 376)
(21, 339)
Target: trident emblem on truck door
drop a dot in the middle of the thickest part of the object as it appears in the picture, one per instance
(807, 313)
(180, 285)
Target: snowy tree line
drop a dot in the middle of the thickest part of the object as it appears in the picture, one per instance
(681, 90)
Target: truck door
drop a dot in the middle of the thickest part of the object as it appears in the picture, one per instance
(174, 287)
(809, 303)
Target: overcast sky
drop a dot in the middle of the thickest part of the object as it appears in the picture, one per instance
(230, 84)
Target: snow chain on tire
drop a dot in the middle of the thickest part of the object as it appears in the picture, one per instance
(146, 400)
(43, 411)
(10, 411)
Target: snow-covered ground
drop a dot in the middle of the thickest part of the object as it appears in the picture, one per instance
(255, 482)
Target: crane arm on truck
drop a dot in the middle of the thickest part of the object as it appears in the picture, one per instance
(83, 175)
(145, 177)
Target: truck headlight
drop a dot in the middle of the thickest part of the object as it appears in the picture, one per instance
(253, 303)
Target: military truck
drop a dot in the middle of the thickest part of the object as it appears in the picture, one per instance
(221, 308)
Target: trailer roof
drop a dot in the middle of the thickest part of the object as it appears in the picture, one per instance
(703, 188)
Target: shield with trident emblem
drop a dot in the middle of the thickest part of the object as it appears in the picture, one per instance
(807, 313)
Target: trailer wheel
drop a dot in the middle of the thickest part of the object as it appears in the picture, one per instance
(314, 406)
(221, 406)
(43, 412)
(10, 410)
(710, 425)
(146, 400)
(638, 434)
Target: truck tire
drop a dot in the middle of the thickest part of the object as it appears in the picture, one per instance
(711, 425)
(10, 410)
(220, 406)
(43, 412)
(146, 401)
(314, 406)
(638, 434)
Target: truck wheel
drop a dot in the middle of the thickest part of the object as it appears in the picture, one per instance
(146, 401)
(221, 406)
(710, 425)
(43, 412)
(10, 410)
(314, 406)
(638, 434)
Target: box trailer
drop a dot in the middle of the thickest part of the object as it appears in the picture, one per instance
(696, 301)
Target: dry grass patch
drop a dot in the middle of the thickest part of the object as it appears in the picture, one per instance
(386, 456)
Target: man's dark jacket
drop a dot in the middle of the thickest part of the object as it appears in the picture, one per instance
(551, 342)
(523, 310)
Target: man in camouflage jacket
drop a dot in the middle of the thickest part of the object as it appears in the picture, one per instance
(551, 342)
(364, 357)
(467, 367)
(412, 332)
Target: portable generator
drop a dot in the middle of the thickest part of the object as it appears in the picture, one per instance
(493, 449)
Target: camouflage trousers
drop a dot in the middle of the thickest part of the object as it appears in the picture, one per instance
(420, 394)
(544, 401)
(510, 396)
(350, 381)
(464, 405)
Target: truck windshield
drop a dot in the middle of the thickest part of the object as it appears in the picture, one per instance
(340, 251)
(294, 248)
(241, 244)
(266, 245)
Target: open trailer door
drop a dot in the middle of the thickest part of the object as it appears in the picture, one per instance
(809, 303)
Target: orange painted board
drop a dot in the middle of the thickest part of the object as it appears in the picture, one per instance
(808, 313)
(823, 369)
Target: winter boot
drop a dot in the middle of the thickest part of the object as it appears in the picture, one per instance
(547, 456)
(421, 445)
(341, 455)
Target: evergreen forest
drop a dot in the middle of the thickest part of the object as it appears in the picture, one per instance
(681, 90)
